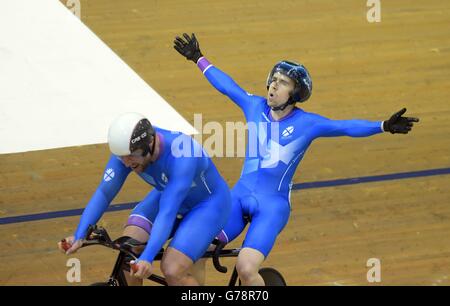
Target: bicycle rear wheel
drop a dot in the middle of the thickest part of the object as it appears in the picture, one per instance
(272, 277)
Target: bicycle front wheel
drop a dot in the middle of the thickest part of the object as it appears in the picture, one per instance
(272, 277)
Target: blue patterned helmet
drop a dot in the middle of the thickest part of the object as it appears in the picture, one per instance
(299, 74)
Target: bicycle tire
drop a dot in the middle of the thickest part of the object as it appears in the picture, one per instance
(272, 277)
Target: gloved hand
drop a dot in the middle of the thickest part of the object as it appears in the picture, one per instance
(399, 124)
(188, 47)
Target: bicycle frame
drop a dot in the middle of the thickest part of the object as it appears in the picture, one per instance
(99, 236)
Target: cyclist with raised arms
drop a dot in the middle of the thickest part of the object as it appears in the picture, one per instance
(284, 133)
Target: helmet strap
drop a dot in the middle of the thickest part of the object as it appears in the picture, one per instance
(153, 145)
(147, 150)
(282, 107)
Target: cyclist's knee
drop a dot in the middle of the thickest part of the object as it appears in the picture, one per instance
(247, 269)
(175, 265)
(172, 271)
(248, 263)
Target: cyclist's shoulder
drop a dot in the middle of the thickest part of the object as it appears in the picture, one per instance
(300, 113)
(254, 103)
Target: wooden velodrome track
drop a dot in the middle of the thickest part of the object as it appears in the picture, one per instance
(359, 70)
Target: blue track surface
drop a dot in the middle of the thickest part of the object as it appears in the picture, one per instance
(308, 185)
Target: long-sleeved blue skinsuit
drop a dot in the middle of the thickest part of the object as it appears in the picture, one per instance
(272, 156)
(186, 183)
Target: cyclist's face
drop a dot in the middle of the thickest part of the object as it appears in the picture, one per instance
(136, 161)
(279, 89)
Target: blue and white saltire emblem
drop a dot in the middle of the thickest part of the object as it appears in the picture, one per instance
(271, 152)
(278, 153)
(109, 175)
(288, 131)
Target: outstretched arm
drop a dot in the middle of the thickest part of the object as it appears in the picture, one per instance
(113, 179)
(362, 128)
(189, 48)
(353, 128)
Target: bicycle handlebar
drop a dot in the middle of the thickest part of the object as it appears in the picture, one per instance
(216, 262)
(99, 236)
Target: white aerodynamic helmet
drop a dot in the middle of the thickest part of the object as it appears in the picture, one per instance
(130, 132)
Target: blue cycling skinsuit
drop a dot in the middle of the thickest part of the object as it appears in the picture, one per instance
(190, 201)
(262, 193)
